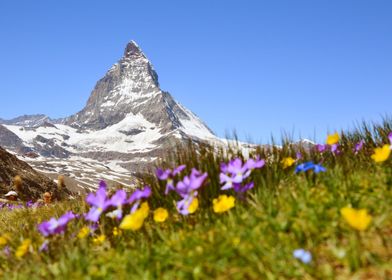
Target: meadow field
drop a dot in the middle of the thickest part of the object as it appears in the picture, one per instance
(287, 212)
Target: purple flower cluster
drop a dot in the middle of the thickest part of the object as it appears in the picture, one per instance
(54, 226)
(168, 175)
(234, 174)
(186, 188)
(321, 148)
(359, 146)
(100, 202)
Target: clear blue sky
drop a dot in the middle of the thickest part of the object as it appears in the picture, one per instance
(260, 67)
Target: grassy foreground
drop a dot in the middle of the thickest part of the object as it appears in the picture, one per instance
(254, 240)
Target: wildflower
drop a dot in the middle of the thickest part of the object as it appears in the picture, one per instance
(188, 205)
(357, 219)
(84, 232)
(223, 203)
(137, 197)
(23, 248)
(255, 164)
(117, 200)
(133, 221)
(287, 162)
(298, 156)
(144, 209)
(390, 137)
(381, 154)
(160, 215)
(116, 231)
(321, 148)
(168, 175)
(235, 172)
(99, 239)
(359, 146)
(302, 255)
(335, 149)
(333, 139)
(317, 168)
(44, 246)
(54, 226)
(187, 189)
(4, 240)
(193, 206)
(98, 202)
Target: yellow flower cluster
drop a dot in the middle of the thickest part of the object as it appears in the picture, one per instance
(358, 219)
(135, 220)
(333, 139)
(223, 203)
(160, 215)
(381, 154)
(23, 248)
(84, 232)
(287, 162)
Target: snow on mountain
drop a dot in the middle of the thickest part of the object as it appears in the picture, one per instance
(128, 120)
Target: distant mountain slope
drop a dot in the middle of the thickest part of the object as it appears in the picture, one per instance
(127, 119)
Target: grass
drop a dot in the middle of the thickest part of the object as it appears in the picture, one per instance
(254, 240)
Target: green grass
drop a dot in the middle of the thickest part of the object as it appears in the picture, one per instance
(254, 240)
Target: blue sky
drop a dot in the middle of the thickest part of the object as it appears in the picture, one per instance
(260, 67)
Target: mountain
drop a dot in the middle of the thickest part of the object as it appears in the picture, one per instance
(127, 123)
(34, 184)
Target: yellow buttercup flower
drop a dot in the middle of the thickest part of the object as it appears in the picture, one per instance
(133, 221)
(4, 240)
(381, 154)
(116, 231)
(193, 206)
(333, 139)
(84, 232)
(160, 215)
(144, 209)
(287, 162)
(99, 239)
(223, 203)
(23, 248)
(358, 219)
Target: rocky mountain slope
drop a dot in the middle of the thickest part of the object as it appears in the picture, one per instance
(127, 123)
(34, 183)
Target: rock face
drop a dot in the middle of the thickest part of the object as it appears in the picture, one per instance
(127, 123)
(34, 183)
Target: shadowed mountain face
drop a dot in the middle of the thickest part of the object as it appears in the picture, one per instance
(127, 123)
(34, 183)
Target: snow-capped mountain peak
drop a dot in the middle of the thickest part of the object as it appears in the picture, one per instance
(128, 118)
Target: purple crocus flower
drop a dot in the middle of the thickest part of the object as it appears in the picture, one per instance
(117, 200)
(390, 137)
(187, 189)
(359, 146)
(239, 188)
(7, 251)
(168, 175)
(321, 147)
(99, 203)
(298, 156)
(253, 164)
(137, 196)
(302, 255)
(335, 149)
(234, 173)
(190, 183)
(54, 226)
(45, 246)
